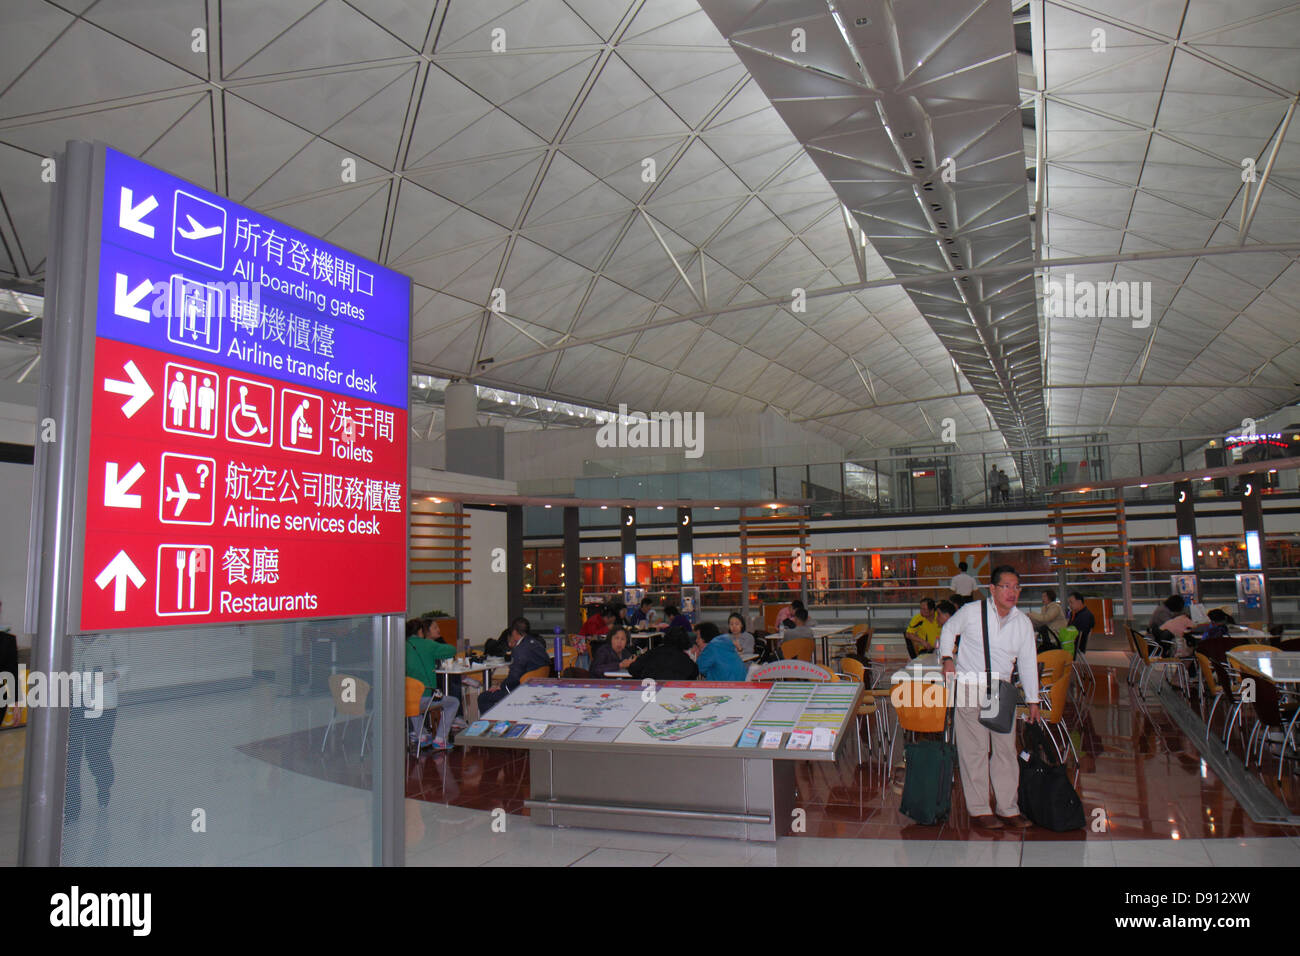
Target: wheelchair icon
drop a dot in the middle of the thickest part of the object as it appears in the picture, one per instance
(245, 411)
(251, 411)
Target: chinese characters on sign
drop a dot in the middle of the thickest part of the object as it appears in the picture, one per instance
(248, 451)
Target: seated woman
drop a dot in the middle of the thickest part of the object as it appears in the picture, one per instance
(1158, 626)
(613, 655)
(675, 618)
(743, 640)
(595, 623)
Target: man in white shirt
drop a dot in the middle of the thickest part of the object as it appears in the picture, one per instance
(962, 583)
(1011, 639)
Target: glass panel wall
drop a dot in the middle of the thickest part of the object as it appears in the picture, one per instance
(209, 748)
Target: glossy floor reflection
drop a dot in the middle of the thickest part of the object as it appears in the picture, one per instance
(1140, 778)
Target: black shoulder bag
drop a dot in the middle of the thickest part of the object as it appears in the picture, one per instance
(998, 702)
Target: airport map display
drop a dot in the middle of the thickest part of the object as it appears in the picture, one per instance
(577, 703)
(698, 713)
(684, 713)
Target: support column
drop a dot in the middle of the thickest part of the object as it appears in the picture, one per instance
(1185, 524)
(627, 542)
(685, 537)
(514, 561)
(50, 545)
(1252, 519)
(572, 573)
(388, 776)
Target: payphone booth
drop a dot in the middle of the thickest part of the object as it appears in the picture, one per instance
(1250, 597)
(691, 604)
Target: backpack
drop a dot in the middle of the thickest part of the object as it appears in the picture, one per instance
(1046, 795)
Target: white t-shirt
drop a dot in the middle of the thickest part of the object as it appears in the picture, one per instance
(962, 583)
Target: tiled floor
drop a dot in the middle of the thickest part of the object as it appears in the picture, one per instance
(253, 761)
(439, 835)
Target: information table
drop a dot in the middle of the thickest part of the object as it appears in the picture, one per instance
(697, 757)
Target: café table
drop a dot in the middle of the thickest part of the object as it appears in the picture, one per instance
(449, 668)
(824, 632)
(1280, 667)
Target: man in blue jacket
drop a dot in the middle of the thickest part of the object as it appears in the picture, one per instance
(716, 655)
(527, 653)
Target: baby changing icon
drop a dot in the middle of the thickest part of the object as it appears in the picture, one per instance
(301, 417)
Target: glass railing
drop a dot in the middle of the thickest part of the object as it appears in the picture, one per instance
(920, 480)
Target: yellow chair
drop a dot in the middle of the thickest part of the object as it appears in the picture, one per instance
(798, 649)
(1052, 666)
(414, 691)
(537, 673)
(1148, 664)
(359, 690)
(920, 707)
(1054, 714)
(1212, 687)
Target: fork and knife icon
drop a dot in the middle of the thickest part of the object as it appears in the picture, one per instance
(194, 561)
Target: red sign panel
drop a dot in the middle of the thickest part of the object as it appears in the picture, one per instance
(222, 496)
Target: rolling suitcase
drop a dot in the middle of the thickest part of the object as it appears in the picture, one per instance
(927, 788)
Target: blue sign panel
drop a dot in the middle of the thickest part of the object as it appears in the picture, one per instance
(189, 272)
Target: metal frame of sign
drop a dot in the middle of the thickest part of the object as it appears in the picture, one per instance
(59, 506)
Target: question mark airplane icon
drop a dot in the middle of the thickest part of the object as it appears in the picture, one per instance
(187, 492)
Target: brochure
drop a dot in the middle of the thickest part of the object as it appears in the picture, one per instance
(799, 740)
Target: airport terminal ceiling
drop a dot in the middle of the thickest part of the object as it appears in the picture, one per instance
(607, 202)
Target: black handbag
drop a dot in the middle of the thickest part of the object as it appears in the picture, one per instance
(1046, 796)
(998, 707)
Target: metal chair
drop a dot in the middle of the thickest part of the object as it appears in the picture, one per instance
(359, 691)
(867, 707)
(1271, 714)
(1143, 646)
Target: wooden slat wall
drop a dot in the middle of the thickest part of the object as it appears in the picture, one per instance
(439, 546)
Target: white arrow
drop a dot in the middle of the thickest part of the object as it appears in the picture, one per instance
(137, 388)
(118, 571)
(127, 304)
(115, 491)
(130, 217)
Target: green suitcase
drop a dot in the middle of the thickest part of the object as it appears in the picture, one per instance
(927, 788)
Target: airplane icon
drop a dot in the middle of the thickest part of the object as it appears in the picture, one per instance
(181, 495)
(197, 231)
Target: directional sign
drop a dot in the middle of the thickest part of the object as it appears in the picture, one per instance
(248, 440)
